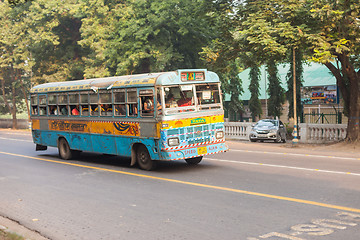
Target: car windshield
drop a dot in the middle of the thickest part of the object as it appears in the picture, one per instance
(269, 123)
(181, 98)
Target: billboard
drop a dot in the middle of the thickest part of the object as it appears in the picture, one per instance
(319, 95)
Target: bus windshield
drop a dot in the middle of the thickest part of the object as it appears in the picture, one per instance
(194, 97)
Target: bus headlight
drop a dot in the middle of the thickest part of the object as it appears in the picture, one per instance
(219, 134)
(173, 141)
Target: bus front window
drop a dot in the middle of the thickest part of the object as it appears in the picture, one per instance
(179, 99)
(208, 96)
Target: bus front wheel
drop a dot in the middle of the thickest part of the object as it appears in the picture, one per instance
(143, 158)
(194, 161)
(64, 149)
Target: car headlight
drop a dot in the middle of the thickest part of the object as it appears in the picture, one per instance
(173, 141)
(273, 130)
(219, 134)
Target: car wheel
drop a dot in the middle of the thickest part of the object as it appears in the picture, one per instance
(278, 139)
(252, 140)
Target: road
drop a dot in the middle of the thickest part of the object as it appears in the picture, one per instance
(254, 191)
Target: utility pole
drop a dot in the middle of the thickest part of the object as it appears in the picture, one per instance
(295, 139)
(266, 100)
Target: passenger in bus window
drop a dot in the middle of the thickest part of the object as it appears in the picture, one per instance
(53, 110)
(120, 109)
(106, 109)
(75, 110)
(34, 110)
(63, 110)
(170, 101)
(184, 101)
(148, 106)
(133, 110)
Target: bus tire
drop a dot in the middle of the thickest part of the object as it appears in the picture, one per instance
(64, 149)
(194, 161)
(143, 158)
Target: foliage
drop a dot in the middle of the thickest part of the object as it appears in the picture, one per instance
(254, 102)
(326, 31)
(276, 92)
(145, 36)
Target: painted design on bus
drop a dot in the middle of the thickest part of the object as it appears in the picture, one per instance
(61, 125)
(192, 121)
(98, 127)
(131, 129)
(198, 121)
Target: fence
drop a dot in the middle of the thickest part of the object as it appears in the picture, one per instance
(309, 133)
(7, 123)
(237, 130)
(322, 133)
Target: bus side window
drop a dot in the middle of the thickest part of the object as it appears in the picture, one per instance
(42, 105)
(63, 104)
(84, 104)
(147, 105)
(52, 104)
(74, 104)
(106, 103)
(34, 104)
(132, 103)
(119, 102)
(94, 106)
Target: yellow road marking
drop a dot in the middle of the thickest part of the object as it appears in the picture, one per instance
(289, 199)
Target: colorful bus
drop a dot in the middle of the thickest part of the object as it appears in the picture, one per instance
(148, 117)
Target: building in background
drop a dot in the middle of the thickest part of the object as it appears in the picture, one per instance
(319, 94)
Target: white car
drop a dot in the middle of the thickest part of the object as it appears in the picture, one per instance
(268, 129)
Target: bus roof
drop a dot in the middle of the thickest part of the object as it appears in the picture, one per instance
(144, 80)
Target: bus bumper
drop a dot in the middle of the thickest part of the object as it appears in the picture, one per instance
(191, 151)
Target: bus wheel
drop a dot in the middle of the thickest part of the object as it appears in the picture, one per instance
(64, 149)
(143, 158)
(194, 161)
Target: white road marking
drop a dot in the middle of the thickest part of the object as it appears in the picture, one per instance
(282, 166)
(14, 139)
(258, 164)
(295, 154)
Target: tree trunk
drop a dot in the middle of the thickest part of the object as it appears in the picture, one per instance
(348, 81)
(25, 97)
(14, 107)
(4, 95)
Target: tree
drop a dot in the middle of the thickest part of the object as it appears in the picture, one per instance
(254, 102)
(146, 36)
(276, 92)
(24, 27)
(327, 31)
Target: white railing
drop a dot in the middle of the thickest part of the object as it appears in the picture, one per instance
(309, 133)
(237, 130)
(322, 133)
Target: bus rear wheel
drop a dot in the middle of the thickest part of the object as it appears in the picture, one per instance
(194, 161)
(64, 149)
(143, 158)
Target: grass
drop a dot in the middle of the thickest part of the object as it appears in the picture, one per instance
(10, 236)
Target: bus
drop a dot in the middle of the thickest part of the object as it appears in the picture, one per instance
(150, 117)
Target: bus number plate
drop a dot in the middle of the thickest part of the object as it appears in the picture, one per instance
(202, 150)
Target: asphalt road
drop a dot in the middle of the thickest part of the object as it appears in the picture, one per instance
(254, 191)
